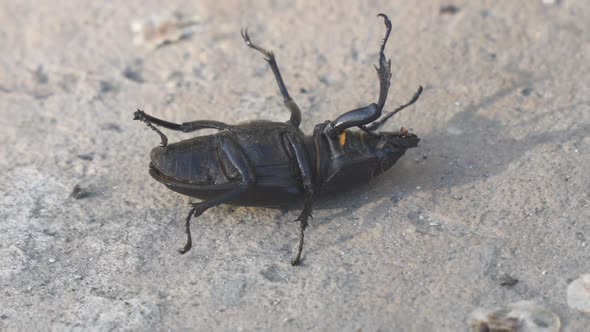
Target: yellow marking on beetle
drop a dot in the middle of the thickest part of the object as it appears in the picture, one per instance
(342, 139)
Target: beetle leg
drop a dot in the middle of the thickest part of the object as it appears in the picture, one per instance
(187, 225)
(377, 124)
(355, 118)
(137, 116)
(186, 127)
(306, 177)
(236, 156)
(384, 69)
(269, 56)
(305, 214)
(365, 115)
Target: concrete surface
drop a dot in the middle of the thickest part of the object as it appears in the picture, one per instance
(498, 187)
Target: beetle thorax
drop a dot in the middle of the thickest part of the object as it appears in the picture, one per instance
(355, 156)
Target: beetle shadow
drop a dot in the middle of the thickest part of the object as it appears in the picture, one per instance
(469, 147)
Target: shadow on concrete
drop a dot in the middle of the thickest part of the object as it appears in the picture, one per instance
(475, 150)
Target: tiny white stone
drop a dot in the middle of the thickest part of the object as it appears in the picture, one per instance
(578, 294)
(52, 260)
(522, 316)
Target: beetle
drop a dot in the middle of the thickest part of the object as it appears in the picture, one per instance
(264, 163)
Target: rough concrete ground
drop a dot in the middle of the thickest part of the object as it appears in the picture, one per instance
(498, 186)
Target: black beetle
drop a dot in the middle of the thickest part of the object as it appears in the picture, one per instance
(264, 163)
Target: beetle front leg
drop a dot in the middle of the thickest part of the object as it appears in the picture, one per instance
(236, 157)
(306, 177)
(365, 115)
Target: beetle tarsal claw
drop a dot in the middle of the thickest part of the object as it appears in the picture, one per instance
(163, 137)
(139, 115)
(268, 55)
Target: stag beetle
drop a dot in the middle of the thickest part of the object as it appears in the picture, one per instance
(264, 163)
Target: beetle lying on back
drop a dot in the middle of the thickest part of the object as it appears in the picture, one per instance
(263, 163)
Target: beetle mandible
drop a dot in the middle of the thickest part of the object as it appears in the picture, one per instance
(264, 163)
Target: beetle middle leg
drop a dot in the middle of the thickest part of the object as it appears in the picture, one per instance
(306, 177)
(236, 157)
(269, 56)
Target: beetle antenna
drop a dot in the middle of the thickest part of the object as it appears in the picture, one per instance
(377, 124)
(141, 116)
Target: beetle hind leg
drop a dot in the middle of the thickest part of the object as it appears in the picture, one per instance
(236, 156)
(141, 116)
(189, 240)
(306, 177)
(269, 56)
(185, 127)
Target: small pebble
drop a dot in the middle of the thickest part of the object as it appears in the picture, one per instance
(522, 316)
(161, 29)
(449, 9)
(52, 260)
(78, 192)
(578, 294)
(507, 280)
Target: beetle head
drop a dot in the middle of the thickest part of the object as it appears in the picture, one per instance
(358, 155)
(388, 147)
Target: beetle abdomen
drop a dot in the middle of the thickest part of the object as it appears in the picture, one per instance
(191, 161)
